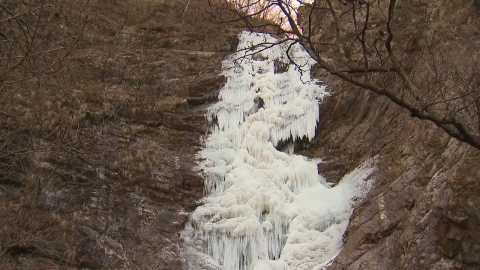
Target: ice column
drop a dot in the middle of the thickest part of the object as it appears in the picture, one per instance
(267, 209)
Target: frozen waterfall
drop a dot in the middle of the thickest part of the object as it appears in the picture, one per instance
(267, 209)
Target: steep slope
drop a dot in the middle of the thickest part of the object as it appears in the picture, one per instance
(423, 209)
(130, 103)
(423, 212)
(134, 93)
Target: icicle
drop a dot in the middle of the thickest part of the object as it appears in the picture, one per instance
(266, 209)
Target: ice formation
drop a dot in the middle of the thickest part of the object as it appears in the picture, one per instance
(267, 209)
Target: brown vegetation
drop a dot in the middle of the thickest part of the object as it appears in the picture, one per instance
(98, 128)
(39, 121)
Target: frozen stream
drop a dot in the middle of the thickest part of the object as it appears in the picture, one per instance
(265, 208)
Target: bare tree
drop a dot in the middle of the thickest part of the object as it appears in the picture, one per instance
(33, 51)
(37, 122)
(388, 47)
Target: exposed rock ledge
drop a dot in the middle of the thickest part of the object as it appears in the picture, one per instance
(423, 212)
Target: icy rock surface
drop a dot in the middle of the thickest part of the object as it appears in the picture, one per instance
(267, 209)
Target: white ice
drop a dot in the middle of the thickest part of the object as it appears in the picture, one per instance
(267, 209)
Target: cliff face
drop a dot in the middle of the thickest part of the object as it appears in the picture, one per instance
(134, 94)
(423, 212)
(423, 209)
(133, 97)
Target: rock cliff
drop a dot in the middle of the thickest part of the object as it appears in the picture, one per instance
(423, 212)
(134, 95)
(132, 100)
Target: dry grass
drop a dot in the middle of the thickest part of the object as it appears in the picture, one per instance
(73, 145)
